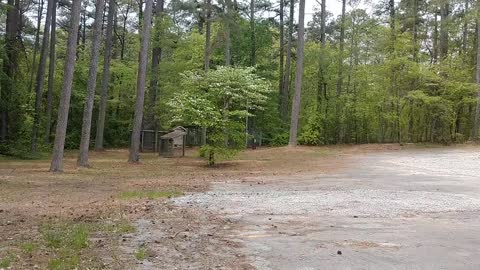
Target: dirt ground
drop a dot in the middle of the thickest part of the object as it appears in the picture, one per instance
(117, 215)
(113, 195)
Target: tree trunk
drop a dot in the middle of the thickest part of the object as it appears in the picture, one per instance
(61, 130)
(141, 81)
(435, 38)
(40, 80)
(91, 85)
(477, 111)
(156, 57)
(321, 84)
(253, 52)
(206, 59)
(36, 44)
(9, 66)
(105, 77)
(298, 76)
(340, 73)
(283, 116)
(415, 31)
(228, 45)
(465, 30)
(444, 13)
(286, 82)
(341, 49)
(51, 73)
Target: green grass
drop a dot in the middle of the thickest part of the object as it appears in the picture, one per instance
(67, 241)
(149, 194)
(141, 254)
(64, 263)
(6, 261)
(71, 236)
(29, 247)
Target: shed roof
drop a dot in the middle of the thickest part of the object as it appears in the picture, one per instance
(174, 134)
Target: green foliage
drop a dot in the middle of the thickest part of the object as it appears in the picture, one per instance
(220, 100)
(280, 139)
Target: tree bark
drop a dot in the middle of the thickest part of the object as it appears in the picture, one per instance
(9, 65)
(338, 108)
(477, 110)
(253, 52)
(40, 80)
(286, 82)
(465, 29)
(435, 38)
(105, 77)
(298, 76)
(322, 86)
(283, 116)
(206, 59)
(36, 44)
(51, 73)
(91, 85)
(415, 31)
(156, 58)
(228, 45)
(61, 130)
(141, 81)
(444, 13)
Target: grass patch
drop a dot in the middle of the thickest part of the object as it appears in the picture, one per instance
(140, 254)
(67, 241)
(72, 236)
(29, 248)
(64, 262)
(149, 194)
(6, 261)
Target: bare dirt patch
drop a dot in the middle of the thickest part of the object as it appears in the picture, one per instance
(113, 196)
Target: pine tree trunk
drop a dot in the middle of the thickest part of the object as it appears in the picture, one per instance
(298, 76)
(477, 110)
(141, 81)
(435, 38)
(36, 44)
(228, 43)
(321, 84)
(61, 130)
(91, 85)
(253, 52)
(102, 110)
(40, 80)
(206, 59)
(286, 81)
(283, 116)
(51, 73)
(444, 13)
(338, 108)
(465, 30)
(156, 57)
(9, 66)
(415, 31)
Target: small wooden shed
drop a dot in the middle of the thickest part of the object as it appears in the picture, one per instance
(172, 142)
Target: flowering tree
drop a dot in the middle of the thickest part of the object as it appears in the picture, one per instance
(220, 100)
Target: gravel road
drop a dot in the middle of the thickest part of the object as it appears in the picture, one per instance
(409, 209)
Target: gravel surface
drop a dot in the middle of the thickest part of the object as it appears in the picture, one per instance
(415, 209)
